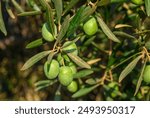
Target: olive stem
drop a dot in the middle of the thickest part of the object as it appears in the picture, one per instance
(147, 54)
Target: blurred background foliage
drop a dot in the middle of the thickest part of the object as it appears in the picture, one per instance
(19, 85)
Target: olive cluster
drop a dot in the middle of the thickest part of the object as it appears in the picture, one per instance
(63, 68)
(64, 72)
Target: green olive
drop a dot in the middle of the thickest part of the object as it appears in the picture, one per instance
(146, 74)
(46, 33)
(65, 75)
(70, 47)
(114, 87)
(137, 2)
(90, 27)
(73, 68)
(51, 69)
(73, 87)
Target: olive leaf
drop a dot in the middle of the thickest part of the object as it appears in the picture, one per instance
(2, 25)
(83, 73)
(30, 13)
(74, 23)
(91, 81)
(103, 2)
(59, 9)
(84, 91)
(50, 18)
(44, 83)
(79, 61)
(30, 62)
(129, 68)
(17, 6)
(106, 30)
(140, 79)
(70, 5)
(123, 34)
(35, 43)
(147, 5)
(64, 28)
(87, 12)
(9, 11)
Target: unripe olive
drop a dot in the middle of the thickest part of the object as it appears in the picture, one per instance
(51, 69)
(90, 27)
(46, 33)
(65, 75)
(73, 68)
(113, 85)
(72, 48)
(146, 74)
(73, 87)
(115, 88)
(137, 2)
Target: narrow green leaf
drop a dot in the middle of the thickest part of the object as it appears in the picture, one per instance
(59, 9)
(50, 18)
(117, 1)
(74, 23)
(107, 31)
(87, 12)
(43, 4)
(41, 87)
(79, 61)
(84, 91)
(30, 13)
(70, 5)
(42, 82)
(140, 79)
(91, 81)
(103, 2)
(129, 68)
(83, 73)
(64, 28)
(123, 34)
(147, 5)
(2, 25)
(34, 59)
(89, 41)
(9, 11)
(17, 6)
(35, 43)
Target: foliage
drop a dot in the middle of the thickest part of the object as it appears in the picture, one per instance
(115, 53)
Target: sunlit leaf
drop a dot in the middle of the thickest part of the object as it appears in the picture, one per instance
(30, 13)
(79, 61)
(107, 31)
(34, 59)
(129, 68)
(84, 91)
(35, 43)
(83, 73)
(17, 6)
(2, 25)
(9, 11)
(147, 5)
(91, 81)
